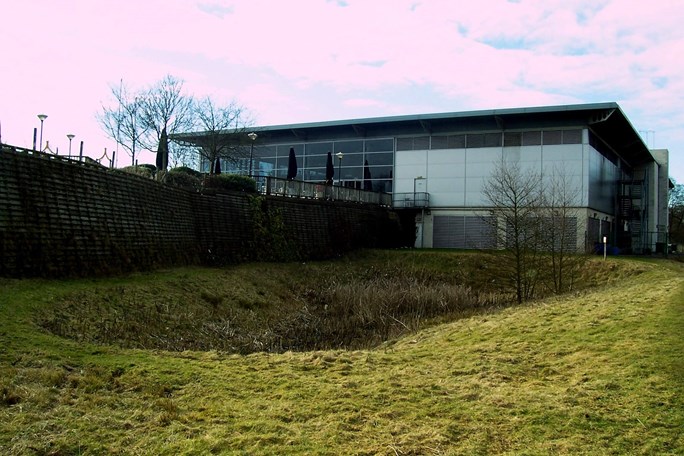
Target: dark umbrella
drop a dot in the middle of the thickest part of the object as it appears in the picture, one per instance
(163, 151)
(217, 166)
(367, 183)
(329, 170)
(292, 165)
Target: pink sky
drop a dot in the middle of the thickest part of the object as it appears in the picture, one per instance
(313, 60)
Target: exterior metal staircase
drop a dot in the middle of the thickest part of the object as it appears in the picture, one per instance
(632, 212)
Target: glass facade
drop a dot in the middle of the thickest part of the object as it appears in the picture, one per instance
(368, 163)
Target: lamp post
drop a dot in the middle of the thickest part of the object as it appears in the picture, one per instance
(70, 136)
(339, 156)
(42, 117)
(253, 137)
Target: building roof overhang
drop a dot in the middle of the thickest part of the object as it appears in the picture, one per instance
(606, 120)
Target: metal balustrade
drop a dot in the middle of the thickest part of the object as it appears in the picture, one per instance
(269, 185)
(410, 200)
(74, 159)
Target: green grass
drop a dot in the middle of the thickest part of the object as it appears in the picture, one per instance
(597, 372)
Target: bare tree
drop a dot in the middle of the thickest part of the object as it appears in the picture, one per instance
(164, 106)
(122, 122)
(514, 197)
(223, 131)
(138, 117)
(559, 216)
(182, 154)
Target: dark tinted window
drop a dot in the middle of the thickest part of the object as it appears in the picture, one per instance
(380, 172)
(348, 147)
(439, 142)
(314, 161)
(552, 137)
(264, 151)
(475, 140)
(421, 143)
(531, 138)
(457, 141)
(350, 160)
(512, 139)
(379, 145)
(319, 148)
(572, 137)
(404, 144)
(380, 159)
(492, 139)
(284, 151)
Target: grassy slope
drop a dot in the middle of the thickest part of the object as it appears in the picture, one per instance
(598, 373)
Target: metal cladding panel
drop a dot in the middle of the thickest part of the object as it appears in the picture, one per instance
(564, 236)
(448, 232)
(479, 232)
(603, 175)
(462, 232)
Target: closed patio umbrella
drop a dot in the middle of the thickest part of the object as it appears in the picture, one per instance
(292, 165)
(367, 182)
(329, 170)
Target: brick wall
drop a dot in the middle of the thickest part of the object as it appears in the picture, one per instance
(60, 218)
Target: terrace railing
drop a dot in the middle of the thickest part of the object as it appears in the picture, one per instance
(269, 185)
(410, 200)
(74, 159)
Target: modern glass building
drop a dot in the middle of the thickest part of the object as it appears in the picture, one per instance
(366, 163)
(436, 165)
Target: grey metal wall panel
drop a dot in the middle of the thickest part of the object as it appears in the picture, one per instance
(462, 232)
(448, 232)
(479, 232)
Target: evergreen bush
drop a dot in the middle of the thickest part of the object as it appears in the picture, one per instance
(183, 179)
(139, 170)
(185, 170)
(230, 182)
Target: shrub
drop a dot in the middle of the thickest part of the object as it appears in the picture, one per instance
(185, 170)
(230, 182)
(139, 170)
(183, 180)
(183, 177)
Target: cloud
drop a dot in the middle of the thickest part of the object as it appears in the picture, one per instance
(324, 59)
(216, 9)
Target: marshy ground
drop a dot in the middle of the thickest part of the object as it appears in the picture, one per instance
(288, 359)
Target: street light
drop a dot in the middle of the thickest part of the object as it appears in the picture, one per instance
(42, 117)
(339, 156)
(70, 136)
(253, 137)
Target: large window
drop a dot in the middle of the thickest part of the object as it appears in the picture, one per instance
(572, 136)
(379, 145)
(512, 139)
(348, 147)
(492, 139)
(531, 138)
(380, 158)
(553, 137)
(475, 140)
(366, 164)
(372, 160)
(314, 161)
